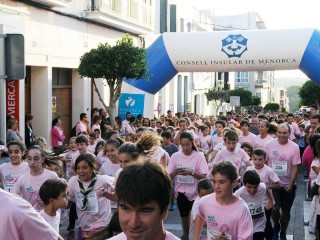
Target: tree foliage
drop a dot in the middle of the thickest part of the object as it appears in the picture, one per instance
(114, 64)
(218, 97)
(309, 94)
(272, 107)
(256, 101)
(245, 96)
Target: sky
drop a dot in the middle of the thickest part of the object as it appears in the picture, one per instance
(277, 14)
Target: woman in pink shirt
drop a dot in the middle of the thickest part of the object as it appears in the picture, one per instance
(264, 136)
(186, 168)
(57, 135)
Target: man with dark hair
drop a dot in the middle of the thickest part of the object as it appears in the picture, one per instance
(105, 123)
(143, 209)
(29, 136)
(82, 126)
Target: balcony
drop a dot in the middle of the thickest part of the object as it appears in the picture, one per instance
(53, 3)
(112, 14)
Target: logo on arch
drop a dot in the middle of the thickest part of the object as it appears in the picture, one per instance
(234, 45)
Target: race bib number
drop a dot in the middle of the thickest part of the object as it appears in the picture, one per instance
(211, 234)
(8, 186)
(256, 210)
(92, 205)
(185, 179)
(280, 167)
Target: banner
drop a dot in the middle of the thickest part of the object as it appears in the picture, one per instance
(12, 98)
(133, 103)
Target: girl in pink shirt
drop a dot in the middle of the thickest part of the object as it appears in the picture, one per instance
(94, 211)
(186, 168)
(28, 184)
(10, 172)
(205, 138)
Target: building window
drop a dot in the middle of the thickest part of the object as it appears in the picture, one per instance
(61, 77)
(258, 94)
(242, 77)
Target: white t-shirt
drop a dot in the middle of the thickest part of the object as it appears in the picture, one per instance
(256, 206)
(54, 221)
(194, 213)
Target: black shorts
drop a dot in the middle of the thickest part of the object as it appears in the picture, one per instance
(284, 199)
(184, 205)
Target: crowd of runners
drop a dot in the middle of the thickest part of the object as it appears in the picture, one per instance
(231, 176)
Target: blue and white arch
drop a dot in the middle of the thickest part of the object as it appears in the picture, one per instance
(230, 51)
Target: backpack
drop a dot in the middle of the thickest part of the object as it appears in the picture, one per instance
(73, 132)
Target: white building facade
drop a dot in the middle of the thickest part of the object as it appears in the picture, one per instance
(56, 34)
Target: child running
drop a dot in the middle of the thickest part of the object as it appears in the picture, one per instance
(253, 193)
(93, 210)
(28, 184)
(213, 208)
(10, 172)
(53, 194)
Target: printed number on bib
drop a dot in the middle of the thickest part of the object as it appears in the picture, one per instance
(280, 167)
(256, 210)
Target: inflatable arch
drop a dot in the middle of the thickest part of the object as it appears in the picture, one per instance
(231, 51)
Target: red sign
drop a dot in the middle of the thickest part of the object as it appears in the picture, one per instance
(12, 98)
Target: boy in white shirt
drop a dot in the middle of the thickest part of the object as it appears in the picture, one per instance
(53, 193)
(253, 193)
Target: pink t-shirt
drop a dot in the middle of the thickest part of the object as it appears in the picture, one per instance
(307, 157)
(187, 184)
(250, 138)
(92, 148)
(256, 206)
(205, 142)
(68, 156)
(98, 213)
(312, 174)
(237, 225)
(294, 130)
(122, 236)
(20, 221)
(281, 158)
(237, 157)
(215, 140)
(101, 158)
(10, 173)
(261, 142)
(28, 187)
(80, 128)
(109, 168)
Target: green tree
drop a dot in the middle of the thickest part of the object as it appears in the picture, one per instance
(256, 101)
(272, 106)
(309, 94)
(245, 96)
(114, 64)
(292, 93)
(218, 97)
